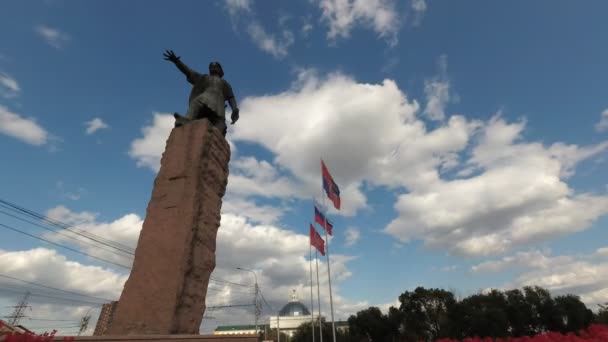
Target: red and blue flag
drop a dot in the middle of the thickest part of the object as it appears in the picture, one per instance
(323, 221)
(330, 187)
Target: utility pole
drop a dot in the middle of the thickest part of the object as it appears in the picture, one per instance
(255, 298)
(19, 309)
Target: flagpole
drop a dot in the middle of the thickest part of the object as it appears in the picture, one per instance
(312, 306)
(319, 295)
(331, 297)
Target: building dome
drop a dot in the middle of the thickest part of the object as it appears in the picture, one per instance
(294, 308)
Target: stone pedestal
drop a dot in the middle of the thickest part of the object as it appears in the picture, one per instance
(175, 255)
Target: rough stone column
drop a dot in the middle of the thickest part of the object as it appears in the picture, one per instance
(175, 255)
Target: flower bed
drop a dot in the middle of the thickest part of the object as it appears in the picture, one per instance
(595, 333)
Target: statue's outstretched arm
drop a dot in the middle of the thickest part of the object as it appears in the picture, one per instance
(170, 56)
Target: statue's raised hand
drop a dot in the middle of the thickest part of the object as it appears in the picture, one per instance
(170, 56)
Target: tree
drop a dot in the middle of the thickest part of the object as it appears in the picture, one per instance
(602, 314)
(519, 313)
(544, 314)
(370, 325)
(482, 315)
(304, 333)
(573, 313)
(424, 313)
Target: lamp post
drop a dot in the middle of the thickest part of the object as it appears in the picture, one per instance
(255, 298)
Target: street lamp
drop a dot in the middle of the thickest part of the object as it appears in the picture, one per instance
(255, 298)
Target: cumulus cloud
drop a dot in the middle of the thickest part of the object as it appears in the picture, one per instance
(24, 129)
(585, 275)
(249, 176)
(466, 186)
(95, 125)
(8, 86)
(148, 149)
(352, 236)
(518, 196)
(53, 36)
(602, 125)
(343, 16)
(278, 255)
(364, 132)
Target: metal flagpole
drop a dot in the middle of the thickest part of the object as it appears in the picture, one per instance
(319, 295)
(331, 298)
(312, 298)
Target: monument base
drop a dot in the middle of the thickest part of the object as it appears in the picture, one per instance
(161, 338)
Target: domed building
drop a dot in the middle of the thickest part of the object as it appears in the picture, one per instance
(291, 316)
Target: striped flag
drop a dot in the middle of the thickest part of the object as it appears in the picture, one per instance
(323, 221)
(316, 240)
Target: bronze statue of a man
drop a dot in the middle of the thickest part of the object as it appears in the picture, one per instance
(208, 96)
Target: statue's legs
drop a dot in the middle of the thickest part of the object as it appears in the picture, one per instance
(199, 110)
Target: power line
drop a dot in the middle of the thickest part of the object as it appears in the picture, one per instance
(15, 208)
(120, 247)
(66, 235)
(53, 288)
(62, 246)
(34, 294)
(228, 282)
(228, 306)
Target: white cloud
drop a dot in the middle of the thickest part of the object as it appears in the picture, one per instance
(94, 125)
(583, 275)
(248, 208)
(249, 176)
(352, 236)
(8, 86)
(517, 197)
(278, 256)
(343, 15)
(419, 8)
(24, 129)
(306, 28)
(53, 36)
(602, 125)
(508, 193)
(148, 150)
(276, 46)
(331, 118)
(437, 91)
(236, 7)
(73, 193)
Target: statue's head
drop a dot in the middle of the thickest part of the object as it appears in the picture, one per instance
(215, 68)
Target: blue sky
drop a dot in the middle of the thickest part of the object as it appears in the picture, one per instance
(469, 138)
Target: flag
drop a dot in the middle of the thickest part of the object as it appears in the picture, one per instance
(330, 187)
(316, 240)
(322, 221)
